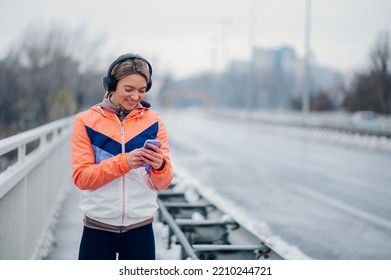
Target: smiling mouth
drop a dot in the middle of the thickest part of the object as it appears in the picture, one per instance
(130, 102)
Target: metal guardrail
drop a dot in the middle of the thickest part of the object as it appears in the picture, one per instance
(205, 232)
(45, 136)
(36, 167)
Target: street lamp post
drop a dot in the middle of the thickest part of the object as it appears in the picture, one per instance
(307, 48)
(251, 43)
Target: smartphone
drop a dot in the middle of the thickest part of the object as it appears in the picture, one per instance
(152, 141)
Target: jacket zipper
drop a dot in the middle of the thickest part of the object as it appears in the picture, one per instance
(123, 177)
(122, 133)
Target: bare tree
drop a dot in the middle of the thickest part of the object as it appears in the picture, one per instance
(381, 61)
(372, 90)
(381, 54)
(44, 75)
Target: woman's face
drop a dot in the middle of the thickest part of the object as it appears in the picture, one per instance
(130, 91)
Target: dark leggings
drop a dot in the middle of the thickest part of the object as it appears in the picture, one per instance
(135, 244)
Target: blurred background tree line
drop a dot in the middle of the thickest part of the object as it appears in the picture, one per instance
(54, 72)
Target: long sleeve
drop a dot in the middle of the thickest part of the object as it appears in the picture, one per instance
(86, 174)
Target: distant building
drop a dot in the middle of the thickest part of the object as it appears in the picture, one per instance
(278, 76)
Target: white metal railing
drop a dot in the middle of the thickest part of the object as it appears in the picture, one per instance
(31, 185)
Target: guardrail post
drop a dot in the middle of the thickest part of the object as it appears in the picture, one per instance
(21, 153)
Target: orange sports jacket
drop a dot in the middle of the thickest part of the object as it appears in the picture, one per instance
(113, 193)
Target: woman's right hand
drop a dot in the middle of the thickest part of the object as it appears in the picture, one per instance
(134, 159)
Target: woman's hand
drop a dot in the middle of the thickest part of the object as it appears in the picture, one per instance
(135, 159)
(153, 156)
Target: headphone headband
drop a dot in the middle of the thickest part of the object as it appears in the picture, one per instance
(110, 83)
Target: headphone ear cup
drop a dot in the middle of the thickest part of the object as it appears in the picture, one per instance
(106, 83)
(149, 85)
(109, 83)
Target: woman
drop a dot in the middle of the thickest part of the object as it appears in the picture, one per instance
(118, 177)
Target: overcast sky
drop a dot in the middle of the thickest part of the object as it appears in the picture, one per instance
(189, 36)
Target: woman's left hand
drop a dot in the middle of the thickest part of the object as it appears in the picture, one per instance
(152, 156)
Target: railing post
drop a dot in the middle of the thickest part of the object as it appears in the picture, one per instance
(21, 153)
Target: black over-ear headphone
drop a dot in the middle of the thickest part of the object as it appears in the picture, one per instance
(110, 83)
